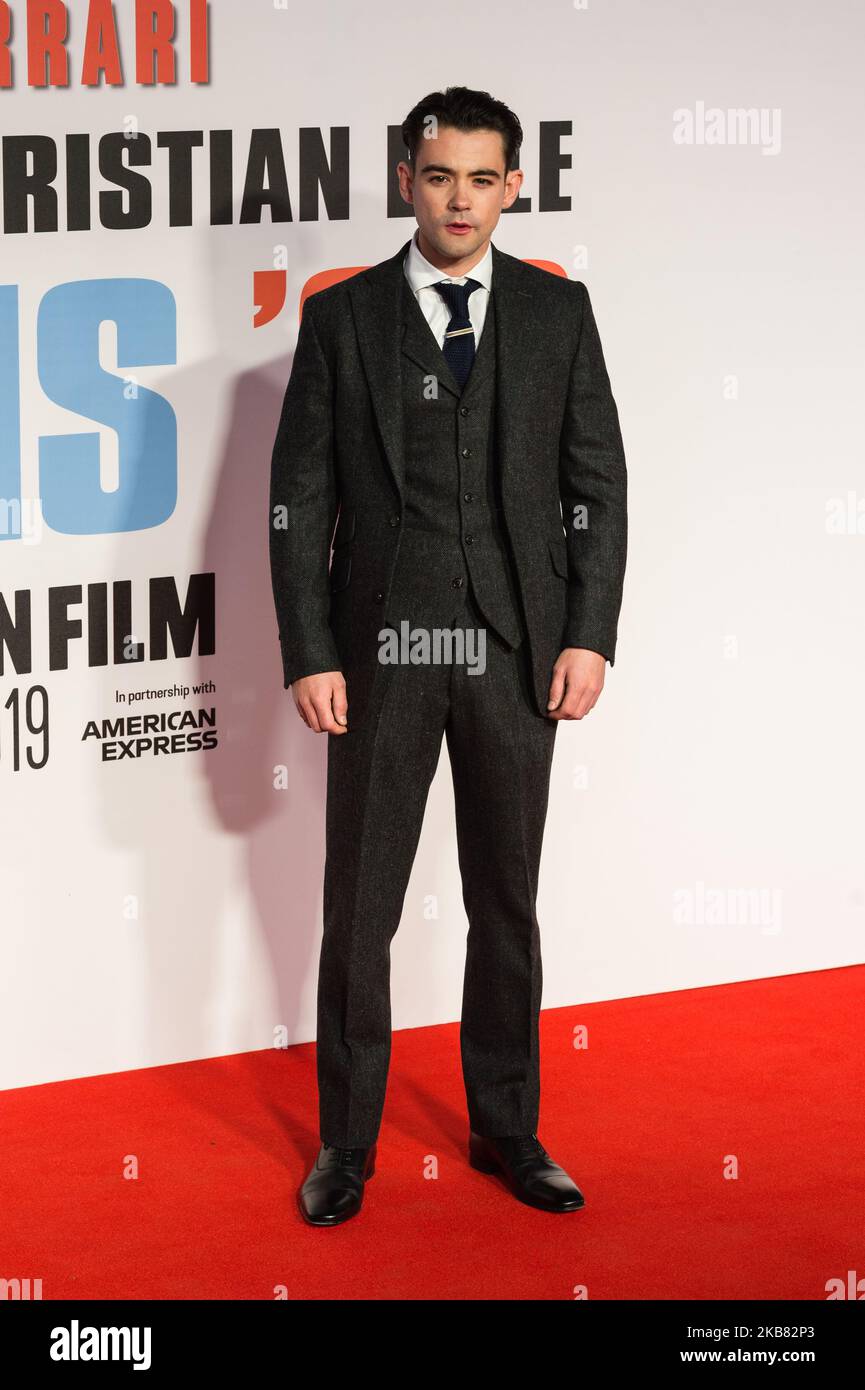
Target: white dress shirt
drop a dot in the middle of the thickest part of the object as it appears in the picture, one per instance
(422, 276)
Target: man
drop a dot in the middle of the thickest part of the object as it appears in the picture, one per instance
(446, 410)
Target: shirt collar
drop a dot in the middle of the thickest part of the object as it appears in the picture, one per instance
(420, 273)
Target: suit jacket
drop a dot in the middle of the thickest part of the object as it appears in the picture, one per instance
(338, 462)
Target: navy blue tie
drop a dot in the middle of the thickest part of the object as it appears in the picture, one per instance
(459, 343)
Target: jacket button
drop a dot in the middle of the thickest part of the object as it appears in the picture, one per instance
(456, 583)
(469, 540)
(379, 597)
(468, 497)
(393, 521)
(466, 453)
(464, 410)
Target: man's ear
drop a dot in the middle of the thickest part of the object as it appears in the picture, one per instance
(513, 189)
(404, 174)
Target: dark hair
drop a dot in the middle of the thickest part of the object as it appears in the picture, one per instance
(464, 109)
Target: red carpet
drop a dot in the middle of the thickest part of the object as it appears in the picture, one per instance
(769, 1071)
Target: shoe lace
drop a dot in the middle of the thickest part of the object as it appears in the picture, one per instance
(344, 1157)
(526, 1145)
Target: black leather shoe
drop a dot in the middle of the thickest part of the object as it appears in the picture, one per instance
(528, 1170)
(333, 1190)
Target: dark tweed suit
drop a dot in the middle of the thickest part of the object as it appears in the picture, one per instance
(448, 508)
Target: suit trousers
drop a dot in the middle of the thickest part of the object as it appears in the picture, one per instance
(378, 781)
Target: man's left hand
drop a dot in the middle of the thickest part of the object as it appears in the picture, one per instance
(578, 679)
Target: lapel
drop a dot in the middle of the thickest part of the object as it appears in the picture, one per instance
(385, 330)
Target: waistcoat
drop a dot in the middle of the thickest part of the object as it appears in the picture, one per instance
(454, 538)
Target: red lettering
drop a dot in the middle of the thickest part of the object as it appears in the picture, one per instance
(5, 55)
(101, 47)
(199, 70)
(154, 51)
(47, 59)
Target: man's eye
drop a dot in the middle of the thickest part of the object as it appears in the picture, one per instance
(481, 179)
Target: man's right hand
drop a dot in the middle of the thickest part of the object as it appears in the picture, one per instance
(321, 702)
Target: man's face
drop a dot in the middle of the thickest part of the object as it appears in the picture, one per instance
(458, 191)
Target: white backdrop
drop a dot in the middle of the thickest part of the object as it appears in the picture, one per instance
(705, 820)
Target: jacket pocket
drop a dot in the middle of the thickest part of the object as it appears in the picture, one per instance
(344, 527)
(559, 556)
(340, 570)
(340, 565)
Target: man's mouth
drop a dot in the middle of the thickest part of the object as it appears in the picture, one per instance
(458, 226)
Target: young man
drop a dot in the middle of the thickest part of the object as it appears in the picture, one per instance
(450, 410)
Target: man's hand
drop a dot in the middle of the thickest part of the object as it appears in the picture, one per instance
(578, 679)
(321, 702)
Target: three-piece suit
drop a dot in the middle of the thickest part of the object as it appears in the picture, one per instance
(400, 494)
